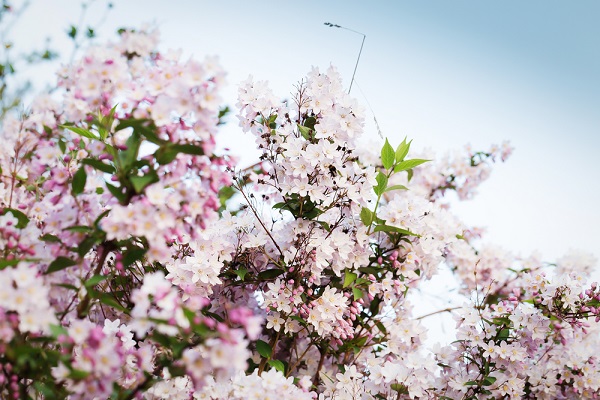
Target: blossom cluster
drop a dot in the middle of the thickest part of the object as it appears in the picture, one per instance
(139, 263)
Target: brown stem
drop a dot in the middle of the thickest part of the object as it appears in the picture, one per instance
(83, 305)
(263, 362)
(438, 312)
(317, 378)
(260, 221)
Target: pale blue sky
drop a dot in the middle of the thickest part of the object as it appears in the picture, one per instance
(441, 72)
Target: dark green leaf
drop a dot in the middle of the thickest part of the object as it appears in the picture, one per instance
(489, 380)
(117, 192)
(387, 228)
(270, 274)
(8, 263)
(144, 127)
(59, 264)
(78, 374)
(79, 179)
(192, 149)
(222, 113)
(97, 221)
(22, 219)
(86, 245)
(133, 255)
(94, 280)
(264, 349)
(129, 156)
(48, 238)
(381, 327)
(99, 165)
(79, 228)
(165, 154)
(72, 32)
(109, 300)
(241, 273)
(278, 365)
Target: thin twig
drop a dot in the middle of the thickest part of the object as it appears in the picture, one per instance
(438, 312)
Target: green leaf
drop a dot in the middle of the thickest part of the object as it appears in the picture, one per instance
(395, 187)
(374, 306)
(305, 132)
(358, 294)
(165, 154)
(79, 179)
(489, 380)
(225, 193)
(349, 278)
(222, 113)
(72, 32)
(387, 155)
(48, 238)
(22, 219)
(366, 216)
(241, 273)
(57, 330)
(399, 387)
(80, 131)
(382, 181)
(133, 255)
(59, 264)
(86, 245)
(116, 191)
(78, 374)
(270, 274)
(129, 156)
(141, 182)
(99, 165)
(402, 150)
(388, 228)
(8, 263)
(79, 228)
(144, 127)
(409, 164)
(94, 280)
(191, 149)
(97, 221)
(278, 365)
(381, 327)
(264, 349)
(109, 300)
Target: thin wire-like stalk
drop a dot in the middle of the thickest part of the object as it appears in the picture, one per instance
(329, 24)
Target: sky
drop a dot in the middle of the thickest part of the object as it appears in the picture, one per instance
(444, 73)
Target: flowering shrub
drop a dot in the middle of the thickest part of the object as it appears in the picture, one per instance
(127, 273)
